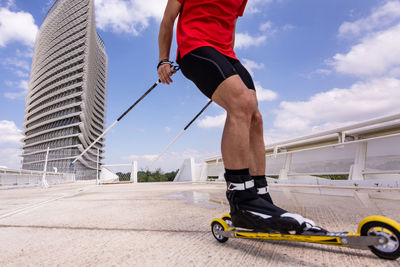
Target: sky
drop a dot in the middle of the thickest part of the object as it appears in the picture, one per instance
(317, 65)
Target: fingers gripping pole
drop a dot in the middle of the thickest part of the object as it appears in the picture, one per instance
(115, 122)
(179, 135)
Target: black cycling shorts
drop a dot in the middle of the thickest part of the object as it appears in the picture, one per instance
(208, 68)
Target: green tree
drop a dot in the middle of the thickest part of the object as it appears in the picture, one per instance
(156, 176)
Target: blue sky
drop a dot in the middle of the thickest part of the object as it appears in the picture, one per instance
(317, 65)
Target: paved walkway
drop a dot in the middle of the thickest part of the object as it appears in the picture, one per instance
(168, 225)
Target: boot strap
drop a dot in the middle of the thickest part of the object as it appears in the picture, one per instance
(263, 190)
(240, 186)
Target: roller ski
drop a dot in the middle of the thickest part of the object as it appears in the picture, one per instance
(254, 216)
(379, 234)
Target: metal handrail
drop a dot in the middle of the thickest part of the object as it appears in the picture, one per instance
(336, 131)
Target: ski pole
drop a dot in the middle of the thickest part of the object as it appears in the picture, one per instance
(173, 69)
(179, 135)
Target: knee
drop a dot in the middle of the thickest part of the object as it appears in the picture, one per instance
(257, 120)
(243, 107)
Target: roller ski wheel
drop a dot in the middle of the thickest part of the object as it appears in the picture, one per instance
(227, 218)
(217, 227)
(391, 249)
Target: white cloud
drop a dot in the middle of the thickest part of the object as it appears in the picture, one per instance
(375, 59)
(319, 72)
(16, 95)
(376, 55)
(148, 157)
(380, 18)
(251, 65)
(21, 74)
(16, 63)
(9, 133)
(128, 16)
(245, 40)
(395, 72)
(19, 94)
(9, 83)
(16, 27)
(24, 85)
(10, 158)
(334, 108)
(288, 27)
(323, 71)
(28, 53)
(212, 121)
(266, 26)
(264, 94)
(10, 3)
(254, 6)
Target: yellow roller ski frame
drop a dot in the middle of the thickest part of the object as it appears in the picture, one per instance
(379, 234)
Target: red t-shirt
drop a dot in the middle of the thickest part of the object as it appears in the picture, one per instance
(208, 23)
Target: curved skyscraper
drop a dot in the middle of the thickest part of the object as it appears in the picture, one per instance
(65, 105)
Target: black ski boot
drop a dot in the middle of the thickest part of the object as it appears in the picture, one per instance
(262, 187)
(250, 211)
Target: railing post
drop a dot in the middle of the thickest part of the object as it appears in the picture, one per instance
(97, 168)
(134, 171)
(283, 175)
(357, 169)
(44, 181)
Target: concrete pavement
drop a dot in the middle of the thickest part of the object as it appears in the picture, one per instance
(167, 224)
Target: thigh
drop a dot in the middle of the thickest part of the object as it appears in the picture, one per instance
(207, 68)
(244, 75)
(233, 95)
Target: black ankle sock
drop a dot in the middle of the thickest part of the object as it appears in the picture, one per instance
(237, 172)
(257, 177)
(261, 181)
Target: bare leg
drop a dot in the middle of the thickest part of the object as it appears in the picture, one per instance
(240, 105)
(257, 147)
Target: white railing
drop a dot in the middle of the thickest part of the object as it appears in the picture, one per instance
(343, 132)
(365, 152)
(24, 178)
(109, 172)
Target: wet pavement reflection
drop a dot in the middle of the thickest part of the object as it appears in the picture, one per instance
(332, 208)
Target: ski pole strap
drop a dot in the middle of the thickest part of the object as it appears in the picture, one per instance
(263, 190)
(174, 68)
(240, 186)
(163, 62)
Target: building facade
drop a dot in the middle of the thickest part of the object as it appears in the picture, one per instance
(65, 105)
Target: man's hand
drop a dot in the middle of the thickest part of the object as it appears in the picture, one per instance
(165, 73)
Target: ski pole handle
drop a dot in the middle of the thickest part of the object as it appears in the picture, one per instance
(175, 68)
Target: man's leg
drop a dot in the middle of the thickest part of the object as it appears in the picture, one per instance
(248, 210)
(257, 154)
(233, 95)
(257, 147)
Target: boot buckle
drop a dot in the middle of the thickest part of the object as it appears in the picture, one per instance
(263, 190)
(240, 186)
